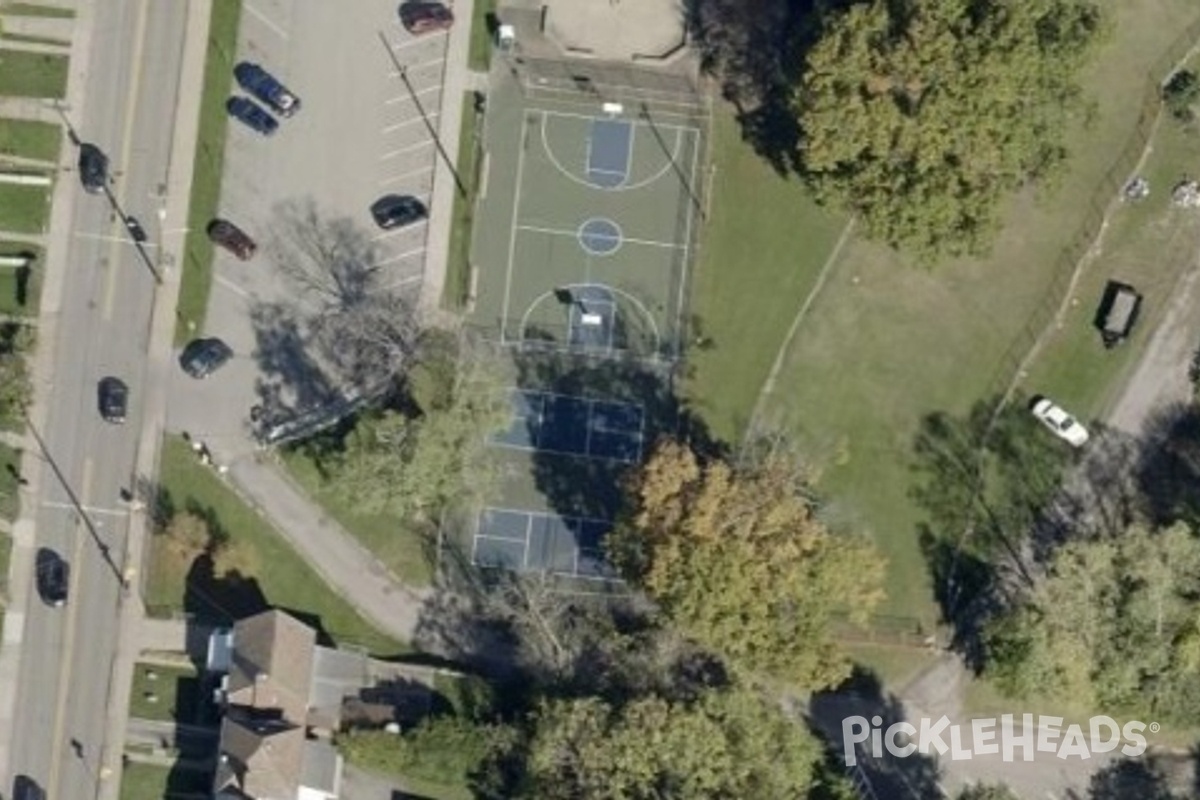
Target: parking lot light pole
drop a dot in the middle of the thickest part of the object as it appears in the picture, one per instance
(403, 70)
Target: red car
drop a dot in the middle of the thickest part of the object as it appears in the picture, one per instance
(422, 16)
(232, 238)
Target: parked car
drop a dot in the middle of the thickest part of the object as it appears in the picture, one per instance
(202, 357)
(422, 16)
(93, 168)
(53, 577)
(1062, 424)
(263, 86)
(113, 399)
(1118, 312)
(26, 788)
(232, 238)
(135, 229)
(398, 210)
(252, 114)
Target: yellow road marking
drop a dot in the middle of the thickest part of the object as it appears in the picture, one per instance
(139, 42)
(64, 668)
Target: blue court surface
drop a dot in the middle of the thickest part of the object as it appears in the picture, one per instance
(533, 541)
(610, 147)
(570, 425)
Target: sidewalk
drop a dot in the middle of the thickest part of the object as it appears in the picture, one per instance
(337, 556)
(34, 108)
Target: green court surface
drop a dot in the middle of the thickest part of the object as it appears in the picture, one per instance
(585, 225)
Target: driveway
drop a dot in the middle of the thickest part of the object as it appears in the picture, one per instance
(359, 135)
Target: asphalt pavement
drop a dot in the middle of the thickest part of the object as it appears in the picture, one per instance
(95, 321)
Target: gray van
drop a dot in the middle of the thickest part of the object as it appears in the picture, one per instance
(1118, 312)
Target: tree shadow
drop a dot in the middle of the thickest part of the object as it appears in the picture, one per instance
(863, 695)
(1168, 466)
(984, 488)
(1146, 777)
(293, 380)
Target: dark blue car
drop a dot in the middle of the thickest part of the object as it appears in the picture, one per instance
(252, 114)
(263, 86)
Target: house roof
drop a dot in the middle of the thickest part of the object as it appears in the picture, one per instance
(272, 664)
(262, 759)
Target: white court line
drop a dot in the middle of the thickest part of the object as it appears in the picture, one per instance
(406, 96)
(394, 128)
(231, 286)
(633, 122)
(575, 235)
(512, 239)
(401, 257)
(405, 175)
(394, 153)
(116, 512)
(263, 19)
(394, 231)
(687, 237)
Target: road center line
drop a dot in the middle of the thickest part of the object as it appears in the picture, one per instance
(139, 45)
(72, 608)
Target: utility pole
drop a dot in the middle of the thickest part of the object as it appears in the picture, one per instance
(403, 70)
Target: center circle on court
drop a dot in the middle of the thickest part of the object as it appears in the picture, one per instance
(600, 237)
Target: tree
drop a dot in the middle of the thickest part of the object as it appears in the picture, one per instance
(1181, 93)
(446, 750)
(15, 387)
(356, 319)
(727, 743)
(413, 466)
(1114, 624)
(736, 558)
(919, 115)
(987, 791)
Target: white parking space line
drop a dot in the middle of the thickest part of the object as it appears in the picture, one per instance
(261, 17)
(231, 286)
(421, 65)
(426, 39)
(406, 96)
(405, 175)
(394, 231)
(407, 122)
(406, 281)
(400, 257)
(393, 153)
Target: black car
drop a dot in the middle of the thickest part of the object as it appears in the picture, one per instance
(262, 84)
(26, 788)
(398, 210)
(93, 168)
(135, 229)
(252, 114)
(113, 399)
(53, 577)
(202, 357)
(232, 238)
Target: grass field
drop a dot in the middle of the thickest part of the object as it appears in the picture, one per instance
(481, 38)
(30, 139)
(35, 10)
(283, 578)
(401, 550)
(196, 281)
(458, 263)
(888, 341)
(15, 288)
(176, 693)
(152, 782)
(8, 482)
(24, 209)
(25, 74)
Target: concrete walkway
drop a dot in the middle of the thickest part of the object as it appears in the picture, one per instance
(30, 108)
(59, 28)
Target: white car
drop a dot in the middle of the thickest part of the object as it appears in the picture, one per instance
(1060, 422)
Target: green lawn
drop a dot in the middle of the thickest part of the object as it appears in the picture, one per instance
(35, 10)
(24, 209)
(164, 693)
(30, 139)
(481, 40)
(399, 548)
(458, 264)
(267, 564)
(744, 298)
(889, 341)
(25, 74)
(152, 782)
(196, 281)
(8, 482)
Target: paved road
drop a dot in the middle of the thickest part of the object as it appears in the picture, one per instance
(95, 322)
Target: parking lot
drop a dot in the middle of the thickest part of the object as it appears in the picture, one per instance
(358, 135)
